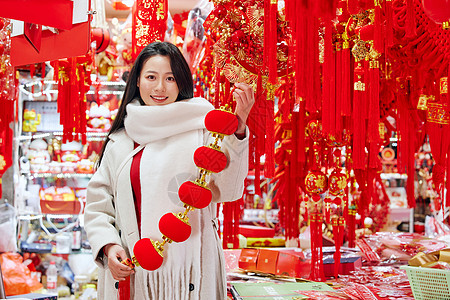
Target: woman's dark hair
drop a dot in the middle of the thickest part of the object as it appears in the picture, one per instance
(181, 72)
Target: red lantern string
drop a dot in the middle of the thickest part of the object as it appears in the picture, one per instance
(195, 194)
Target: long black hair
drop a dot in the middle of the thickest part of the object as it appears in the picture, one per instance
(181, 73)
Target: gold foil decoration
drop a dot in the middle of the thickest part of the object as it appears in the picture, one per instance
(438, 113)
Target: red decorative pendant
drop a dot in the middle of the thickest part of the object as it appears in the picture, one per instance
(316, 182)
(210, 159)
(221, 121)
(146, 254)
(174, 228)
(194, 195)
(337, 182)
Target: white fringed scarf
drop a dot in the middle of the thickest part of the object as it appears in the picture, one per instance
(171, 133)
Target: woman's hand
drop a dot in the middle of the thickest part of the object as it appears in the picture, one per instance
(116, 254)
(245, 98)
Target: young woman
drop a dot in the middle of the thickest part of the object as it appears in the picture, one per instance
(159, 119)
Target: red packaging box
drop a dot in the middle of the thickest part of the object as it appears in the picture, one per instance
(256, 231)
(292, 263)
(248, 258)
(267, 261)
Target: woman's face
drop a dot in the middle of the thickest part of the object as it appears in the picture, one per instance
(157, 85)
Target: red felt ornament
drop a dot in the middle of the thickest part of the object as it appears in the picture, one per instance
(175, 227)
(146, 254)
(221, 121)
(437, 10)
(210, 159)
(194, 194)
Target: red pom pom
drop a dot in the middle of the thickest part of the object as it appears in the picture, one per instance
(146, 255)
(210, 159)
(221, 121)
(174, 228)
(194, 195)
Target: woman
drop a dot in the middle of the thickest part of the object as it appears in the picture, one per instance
(160, 119)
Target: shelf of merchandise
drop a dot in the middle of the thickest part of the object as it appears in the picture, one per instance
(393, 176)
(59, 175)
(91, 136)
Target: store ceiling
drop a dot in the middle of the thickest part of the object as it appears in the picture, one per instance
(175, 7)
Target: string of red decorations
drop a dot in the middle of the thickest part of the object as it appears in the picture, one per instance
(209, 159)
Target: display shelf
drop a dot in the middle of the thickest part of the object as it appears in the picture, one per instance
(393, 176)
(59, 175)
(91, 136)
(260, 215)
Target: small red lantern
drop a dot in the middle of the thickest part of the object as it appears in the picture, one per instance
(221, 121)
(210, 159)
(101, 37)
(437, 10)
(194, 195)
(316, 182)
(146, 254)
(174, 227)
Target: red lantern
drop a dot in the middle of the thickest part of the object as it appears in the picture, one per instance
(174, 227)
(194, 195)
(316, 182)
(101, 37)
(210, 159)
(221, 121)
(437, 10)
(146, 254)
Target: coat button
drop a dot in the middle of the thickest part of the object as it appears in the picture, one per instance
(116, 285)
(191, 287)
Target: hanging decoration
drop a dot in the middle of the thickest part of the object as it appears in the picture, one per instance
(149, 23)
(74, 80)
(209, 159)
(7, 99)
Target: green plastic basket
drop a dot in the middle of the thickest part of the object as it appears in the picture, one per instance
(428, 283)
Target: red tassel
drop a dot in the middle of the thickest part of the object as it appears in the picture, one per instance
(327, 81)
(410, 22)
(338, 229)
(124, 289)
(269, 164)
(301, 157)
(359, 132)
(338, 89)
(351, 227)
(374, 101)
(389, 22)
(378, 32)
(448, 178)
(346, 109)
